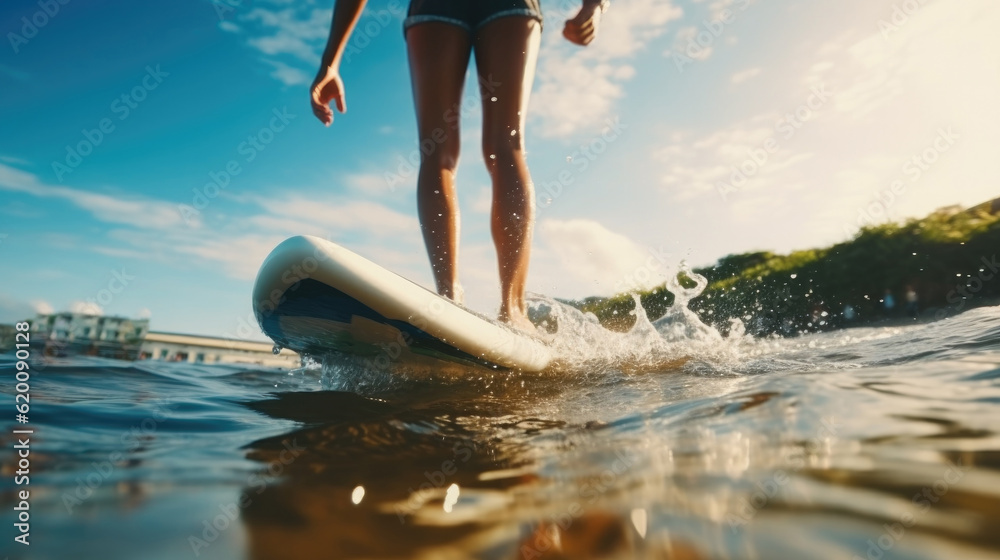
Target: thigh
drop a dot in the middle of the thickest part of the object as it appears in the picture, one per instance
(439, 56)
(456, 12)
(506, 51)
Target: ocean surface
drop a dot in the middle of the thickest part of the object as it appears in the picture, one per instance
(671, 441)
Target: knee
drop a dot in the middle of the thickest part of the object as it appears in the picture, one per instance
(503, 148)
(439, 154)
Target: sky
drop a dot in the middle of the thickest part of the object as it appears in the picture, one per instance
(154, 153)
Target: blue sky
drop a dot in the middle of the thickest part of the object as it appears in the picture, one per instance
(824, 105)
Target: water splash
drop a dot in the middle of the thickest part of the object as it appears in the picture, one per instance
(585, 349)
(582, 344)
(679, 323)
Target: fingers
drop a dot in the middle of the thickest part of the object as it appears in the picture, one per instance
(341, 102)
(333, 90)
(324, 91)
(582, 29)
(580, 34)
(320, 109)
(572, 36)
(585, 23)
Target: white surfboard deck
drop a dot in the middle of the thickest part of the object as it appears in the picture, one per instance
(316, 297)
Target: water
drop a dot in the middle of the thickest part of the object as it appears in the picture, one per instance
(671, 441)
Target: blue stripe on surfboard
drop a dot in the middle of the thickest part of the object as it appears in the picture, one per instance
(314, 299)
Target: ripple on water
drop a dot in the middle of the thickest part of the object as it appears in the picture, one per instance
(669, 440)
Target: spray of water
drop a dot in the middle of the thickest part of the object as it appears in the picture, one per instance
(678, 338)
(677, 341)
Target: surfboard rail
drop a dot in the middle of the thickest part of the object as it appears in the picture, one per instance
(391, 296)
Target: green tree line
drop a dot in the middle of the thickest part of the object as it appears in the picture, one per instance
(948, 261)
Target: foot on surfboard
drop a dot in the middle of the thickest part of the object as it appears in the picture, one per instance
(519, 321)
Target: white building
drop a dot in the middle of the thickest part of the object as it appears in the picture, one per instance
(173, 347)
(79, 327)
(65, 334)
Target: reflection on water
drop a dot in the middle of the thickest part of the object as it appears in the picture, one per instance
(872, 443)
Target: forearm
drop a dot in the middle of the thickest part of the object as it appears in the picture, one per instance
(345, 16)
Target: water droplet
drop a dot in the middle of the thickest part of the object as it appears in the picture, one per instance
(451, 496)
(794, 276)
(493, 99)
(513, 133)
(569, 159)
(437, 192)
(493, 156)
(358, 494)
(276, 350)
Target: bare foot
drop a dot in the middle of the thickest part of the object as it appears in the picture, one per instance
(457, 294)
(519, 321)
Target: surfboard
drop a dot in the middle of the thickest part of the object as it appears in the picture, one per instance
(316, 297)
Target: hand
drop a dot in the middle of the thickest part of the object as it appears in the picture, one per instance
(583, 28)
(326, 87)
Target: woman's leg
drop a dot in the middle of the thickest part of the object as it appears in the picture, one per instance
(439, 57)
(506, 50)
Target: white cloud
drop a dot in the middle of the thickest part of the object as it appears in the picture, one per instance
(894, 91)
(333, 214)
(696, 42)
(890, 97)
(239, 256)
(290, 37)
(299, 33)
(697, 165)
(157, 231)
(288, 75)
(685, 44)
(744, 75)
(86, 308)
(580, 258)
(717, 9)
(41, 306)
(13, 160)
(576, 88)
(368, 184)
(124, 209)
(483, 203)
(238, 249)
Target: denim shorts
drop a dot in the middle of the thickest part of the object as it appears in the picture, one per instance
(470, 15)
